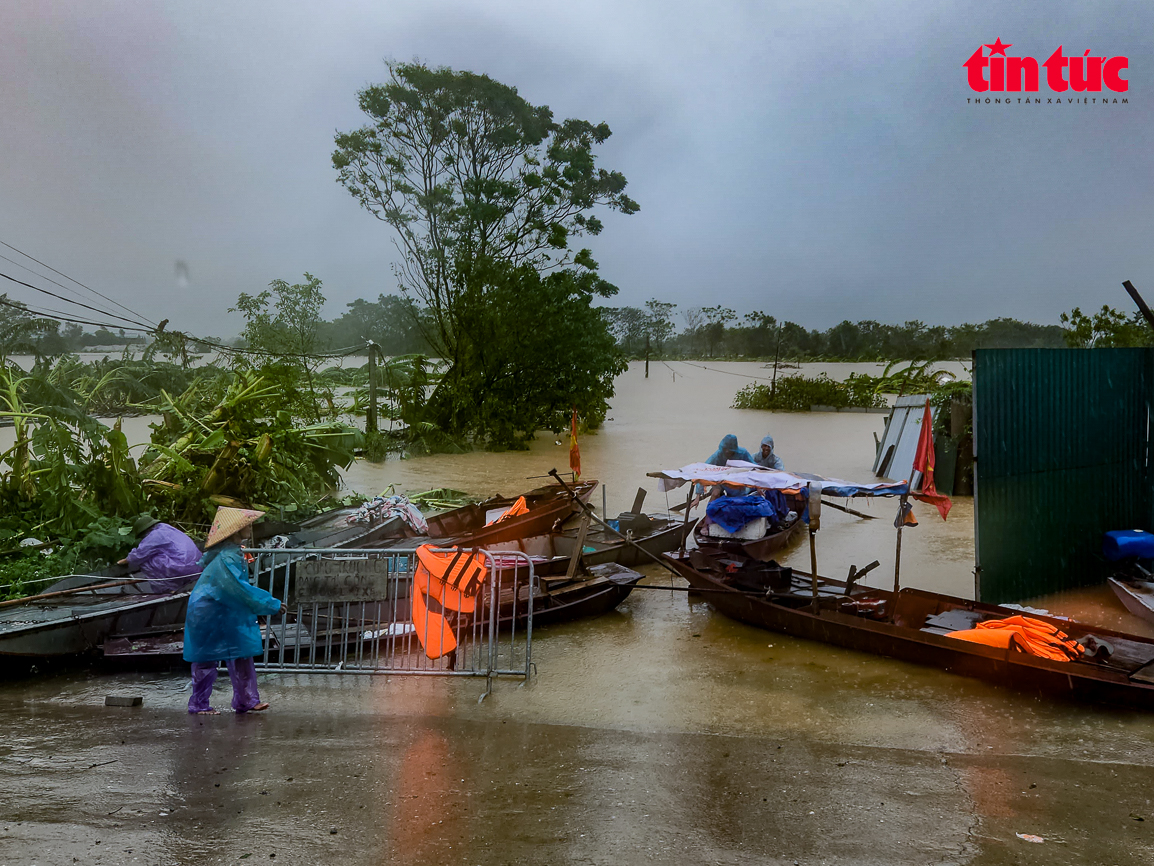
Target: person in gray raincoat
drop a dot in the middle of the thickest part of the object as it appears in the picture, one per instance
(767, 457)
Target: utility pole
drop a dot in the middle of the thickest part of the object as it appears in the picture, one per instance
(371, 412)
(646, 356)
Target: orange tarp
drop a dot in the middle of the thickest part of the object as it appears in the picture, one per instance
(1026, 635)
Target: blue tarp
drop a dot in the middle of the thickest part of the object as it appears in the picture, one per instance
(733, 512)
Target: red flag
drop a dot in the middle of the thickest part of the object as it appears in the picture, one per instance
(924, 463)
(574, 451)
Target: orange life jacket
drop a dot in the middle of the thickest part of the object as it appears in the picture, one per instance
(1024, 634)
(453, 578)
(515, 510)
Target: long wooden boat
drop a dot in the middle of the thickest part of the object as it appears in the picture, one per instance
(912, 626)
(558, 600)
(81, 621)
(473, 526)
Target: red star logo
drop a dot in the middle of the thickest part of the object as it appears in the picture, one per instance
(998, 47)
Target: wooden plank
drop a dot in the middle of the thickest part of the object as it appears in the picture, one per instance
(578, 545)
(638, 501)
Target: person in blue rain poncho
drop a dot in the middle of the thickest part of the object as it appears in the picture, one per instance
(221, 623)
(767, 457)
(727, 449)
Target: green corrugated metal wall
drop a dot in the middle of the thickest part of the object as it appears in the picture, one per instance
(1062, 442)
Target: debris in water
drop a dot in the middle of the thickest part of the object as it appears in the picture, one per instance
(1029, 837)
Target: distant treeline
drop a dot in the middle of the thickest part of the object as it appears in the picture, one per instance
(395, 324)
(398, 326)
(713, 332)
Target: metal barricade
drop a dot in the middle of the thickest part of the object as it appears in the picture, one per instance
(350, 611)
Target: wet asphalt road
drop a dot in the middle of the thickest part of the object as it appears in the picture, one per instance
(752, 749)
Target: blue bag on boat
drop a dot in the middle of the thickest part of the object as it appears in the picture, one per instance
(733, 512)
(1124, 543)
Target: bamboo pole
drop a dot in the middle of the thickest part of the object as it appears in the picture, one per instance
(61, 592)
(898, 552)
(814, 526)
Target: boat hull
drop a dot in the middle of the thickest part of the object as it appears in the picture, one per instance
(1076, 680)
(74, 629)
(1138, 602)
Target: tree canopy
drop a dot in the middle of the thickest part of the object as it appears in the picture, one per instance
(485, 194)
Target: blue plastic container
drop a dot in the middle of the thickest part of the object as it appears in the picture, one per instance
(1125, 543)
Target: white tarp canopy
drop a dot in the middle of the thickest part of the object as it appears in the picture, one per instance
(738, 473)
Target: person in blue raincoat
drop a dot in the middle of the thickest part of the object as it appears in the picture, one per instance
(728, 449)
(767, 457)
(221, 623)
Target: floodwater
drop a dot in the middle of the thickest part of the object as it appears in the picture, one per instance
(660, 733)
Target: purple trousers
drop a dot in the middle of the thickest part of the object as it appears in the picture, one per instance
(242, 674)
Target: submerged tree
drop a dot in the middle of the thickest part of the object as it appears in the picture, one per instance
(282, 325)
(1106, 329)
(479, 185)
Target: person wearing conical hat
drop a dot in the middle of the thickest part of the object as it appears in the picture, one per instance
(221, 623)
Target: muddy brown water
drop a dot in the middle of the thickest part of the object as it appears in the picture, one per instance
(660, 733)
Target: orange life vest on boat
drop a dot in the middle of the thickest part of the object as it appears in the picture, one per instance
(1026, 635)
(453, 579)
(515, 510)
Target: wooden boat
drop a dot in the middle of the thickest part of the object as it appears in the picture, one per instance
(653, 533)
(912, 626)
(473, 526)
(82, 619)
(557, 600)
(762, 549)
(1136, 595)
(560, 599)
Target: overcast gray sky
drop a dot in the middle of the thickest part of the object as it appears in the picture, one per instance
(816, 160)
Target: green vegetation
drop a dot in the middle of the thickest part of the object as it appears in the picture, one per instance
(229, 437)
(799, 393)
(485, 193)
(1106, 329)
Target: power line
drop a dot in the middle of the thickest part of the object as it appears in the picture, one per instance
(69, 300)
(228, 350)
(137, 324)
(59, 317)
(62, 274)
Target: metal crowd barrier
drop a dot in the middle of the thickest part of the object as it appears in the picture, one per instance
(350, 612)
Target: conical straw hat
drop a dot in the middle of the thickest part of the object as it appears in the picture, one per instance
(228, 521)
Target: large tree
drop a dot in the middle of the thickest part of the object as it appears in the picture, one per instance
(479, 185)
